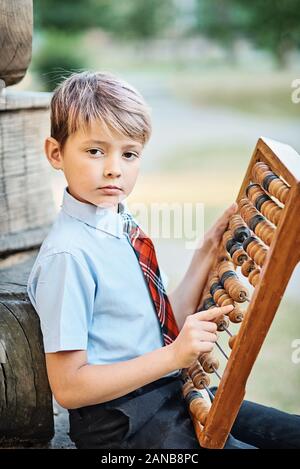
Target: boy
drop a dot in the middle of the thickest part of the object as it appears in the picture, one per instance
(113, 358)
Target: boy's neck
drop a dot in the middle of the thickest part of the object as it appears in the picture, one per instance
(114, 208)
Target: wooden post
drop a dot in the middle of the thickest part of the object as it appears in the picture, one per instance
(27, 206)
(26, 413)
(26, 214)
(16, 38)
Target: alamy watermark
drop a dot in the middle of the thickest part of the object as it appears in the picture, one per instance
(182, 221)
(295, 96)
(176, 221)
(296, 353)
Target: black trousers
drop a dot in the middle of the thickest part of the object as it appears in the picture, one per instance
(155, 416)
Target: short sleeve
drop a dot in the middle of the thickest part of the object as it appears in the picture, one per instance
(62, 293)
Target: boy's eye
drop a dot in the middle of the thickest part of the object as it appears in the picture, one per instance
(97, 152)
(131, 155)
(93, 151)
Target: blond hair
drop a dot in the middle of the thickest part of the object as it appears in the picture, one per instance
(87, 96)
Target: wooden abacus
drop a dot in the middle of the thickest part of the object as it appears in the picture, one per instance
(262, 245)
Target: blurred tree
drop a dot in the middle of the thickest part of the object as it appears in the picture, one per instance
(126, 18)
(71, 16)
(59, 26)
(58, 55)
(61, 22)
(270, 24)
(141, 18)
(218, 19)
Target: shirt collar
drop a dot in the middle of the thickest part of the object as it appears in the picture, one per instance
(101, 218)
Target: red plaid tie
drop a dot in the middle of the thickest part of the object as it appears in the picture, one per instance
(145, 252)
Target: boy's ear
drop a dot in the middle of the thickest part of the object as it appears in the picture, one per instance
(53, 153)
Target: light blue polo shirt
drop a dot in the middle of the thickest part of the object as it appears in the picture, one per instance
(88, 288)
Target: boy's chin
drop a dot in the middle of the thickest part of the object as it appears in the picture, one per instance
(111, 202)
(107, 205)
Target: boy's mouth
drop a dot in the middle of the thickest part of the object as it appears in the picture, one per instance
(110, 190)
(110, 187)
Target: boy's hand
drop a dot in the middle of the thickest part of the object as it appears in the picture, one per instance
(215, 233)
(197, 336)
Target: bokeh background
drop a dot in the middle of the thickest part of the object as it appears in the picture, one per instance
(217, 75)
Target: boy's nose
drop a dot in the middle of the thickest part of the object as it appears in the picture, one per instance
(112, 172)
(112, 168)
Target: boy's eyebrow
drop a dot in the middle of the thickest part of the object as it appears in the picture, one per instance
(100, 142)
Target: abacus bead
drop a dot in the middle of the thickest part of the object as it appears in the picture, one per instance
(236, 316)
(186, 388)
(201, 380)
(199, 408)
(221, 322)
(231, 341)
(247, 267)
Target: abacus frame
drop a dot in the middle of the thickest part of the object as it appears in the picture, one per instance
(282, 257)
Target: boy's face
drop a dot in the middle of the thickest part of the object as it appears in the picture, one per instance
(91, 159)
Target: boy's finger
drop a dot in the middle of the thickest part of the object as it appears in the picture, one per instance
(213, 313)
(233, 207)
(223, 220)
(230, 210)
(209, 326)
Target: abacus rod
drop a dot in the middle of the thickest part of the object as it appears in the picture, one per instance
(221, 350)
(209, 392)
(227, 330)
(216, 372)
